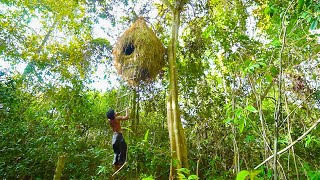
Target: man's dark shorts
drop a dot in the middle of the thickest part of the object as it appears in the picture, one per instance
(119, 148)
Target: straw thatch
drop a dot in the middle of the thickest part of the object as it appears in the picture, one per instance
(138, 54)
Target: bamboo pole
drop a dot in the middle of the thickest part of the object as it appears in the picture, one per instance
(292, 144)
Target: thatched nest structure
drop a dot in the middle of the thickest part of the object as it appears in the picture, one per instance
(138, 54)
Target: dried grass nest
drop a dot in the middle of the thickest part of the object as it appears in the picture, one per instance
(138, 54)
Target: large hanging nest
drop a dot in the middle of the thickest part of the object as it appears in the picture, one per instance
(138, 54)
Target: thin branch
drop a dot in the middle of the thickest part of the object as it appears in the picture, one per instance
(48, 35)
(292, 144)
(290, 140)
(283, 32)
(279, 107)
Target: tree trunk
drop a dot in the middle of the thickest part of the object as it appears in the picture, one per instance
(176, 132)
(60, 167)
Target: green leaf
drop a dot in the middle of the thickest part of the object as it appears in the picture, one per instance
(181, 176)
(255, 173)
(241, 124)
(238, 112)
(262, 64)
(269, 174)
(300, 5)
(146, 136)
(308, 140)
(148, 178)
(191, 177)
(274, 71)
(267, 10)
(314, 76)
(184, 170)
(103, 16)
(208, 32)
(101, 169)
(228, 121)
(29, 69)
(251, 109)
(242, 175)
(249, 138)
(269, 78)
(314, 25)
(276, 43)
(243, 37)
(307, 3)
(304, 15)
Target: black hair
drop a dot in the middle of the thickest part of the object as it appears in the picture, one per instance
(110, 114)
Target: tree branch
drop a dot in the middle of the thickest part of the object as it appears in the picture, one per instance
(47, 35)
(292, 144)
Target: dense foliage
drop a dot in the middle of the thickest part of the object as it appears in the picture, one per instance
(248, 79)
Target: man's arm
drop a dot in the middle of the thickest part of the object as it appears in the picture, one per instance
(126, 117)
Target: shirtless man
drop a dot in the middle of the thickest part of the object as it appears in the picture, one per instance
(118, 143)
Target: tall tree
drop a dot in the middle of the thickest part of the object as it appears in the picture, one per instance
(176, 132)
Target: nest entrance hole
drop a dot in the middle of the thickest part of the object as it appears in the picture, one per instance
(128, 48)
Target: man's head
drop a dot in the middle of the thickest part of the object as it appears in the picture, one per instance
(110, 114)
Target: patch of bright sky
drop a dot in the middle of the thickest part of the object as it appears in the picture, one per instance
(99, 82)
(251, 24)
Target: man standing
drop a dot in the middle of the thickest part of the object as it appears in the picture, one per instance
(118, 143)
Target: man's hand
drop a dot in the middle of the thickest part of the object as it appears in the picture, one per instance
(123, 117)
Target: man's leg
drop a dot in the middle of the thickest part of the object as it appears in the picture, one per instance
(123, 151)
(116, 149)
